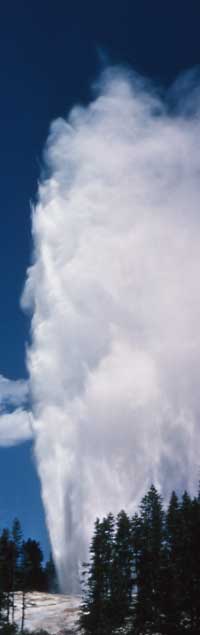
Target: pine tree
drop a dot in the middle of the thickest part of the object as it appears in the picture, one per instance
(96, 607)
(151, 563)
(6, 570)
(93, 582)
(3, 578)
(173, 591)
(122, 571)
(137, 550)
(195, 563)
(32, 571)
(187, 581)
(51, 583)
(17, 540)
(148, 610)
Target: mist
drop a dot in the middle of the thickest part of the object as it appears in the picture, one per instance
(113, 290)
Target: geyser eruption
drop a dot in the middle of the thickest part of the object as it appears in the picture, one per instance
(114, 361)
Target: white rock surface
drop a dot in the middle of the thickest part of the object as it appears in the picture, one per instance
(54, 613)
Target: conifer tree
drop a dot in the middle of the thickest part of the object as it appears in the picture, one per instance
(17, 540)
(122, 571)
(195, 562)
(51, 583)
(187, 581)
(148, 611)
(96, 608)
(173, 594)
(151, 565)
(32, 572)
(3, 578)
(6, 569)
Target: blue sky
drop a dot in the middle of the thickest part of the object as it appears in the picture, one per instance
(50, 53)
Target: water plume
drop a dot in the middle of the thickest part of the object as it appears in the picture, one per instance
(114, 360)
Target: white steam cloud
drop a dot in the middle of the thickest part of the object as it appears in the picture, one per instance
(114, 362)
(13, 392)
(15, 426)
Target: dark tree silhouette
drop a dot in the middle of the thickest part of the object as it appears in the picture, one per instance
(96, 608)
(122, 571)
(143, 577)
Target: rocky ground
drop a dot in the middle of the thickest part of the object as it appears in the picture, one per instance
(54, 613)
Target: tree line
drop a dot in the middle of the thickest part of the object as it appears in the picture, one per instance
(21, 569)
(143, 575)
